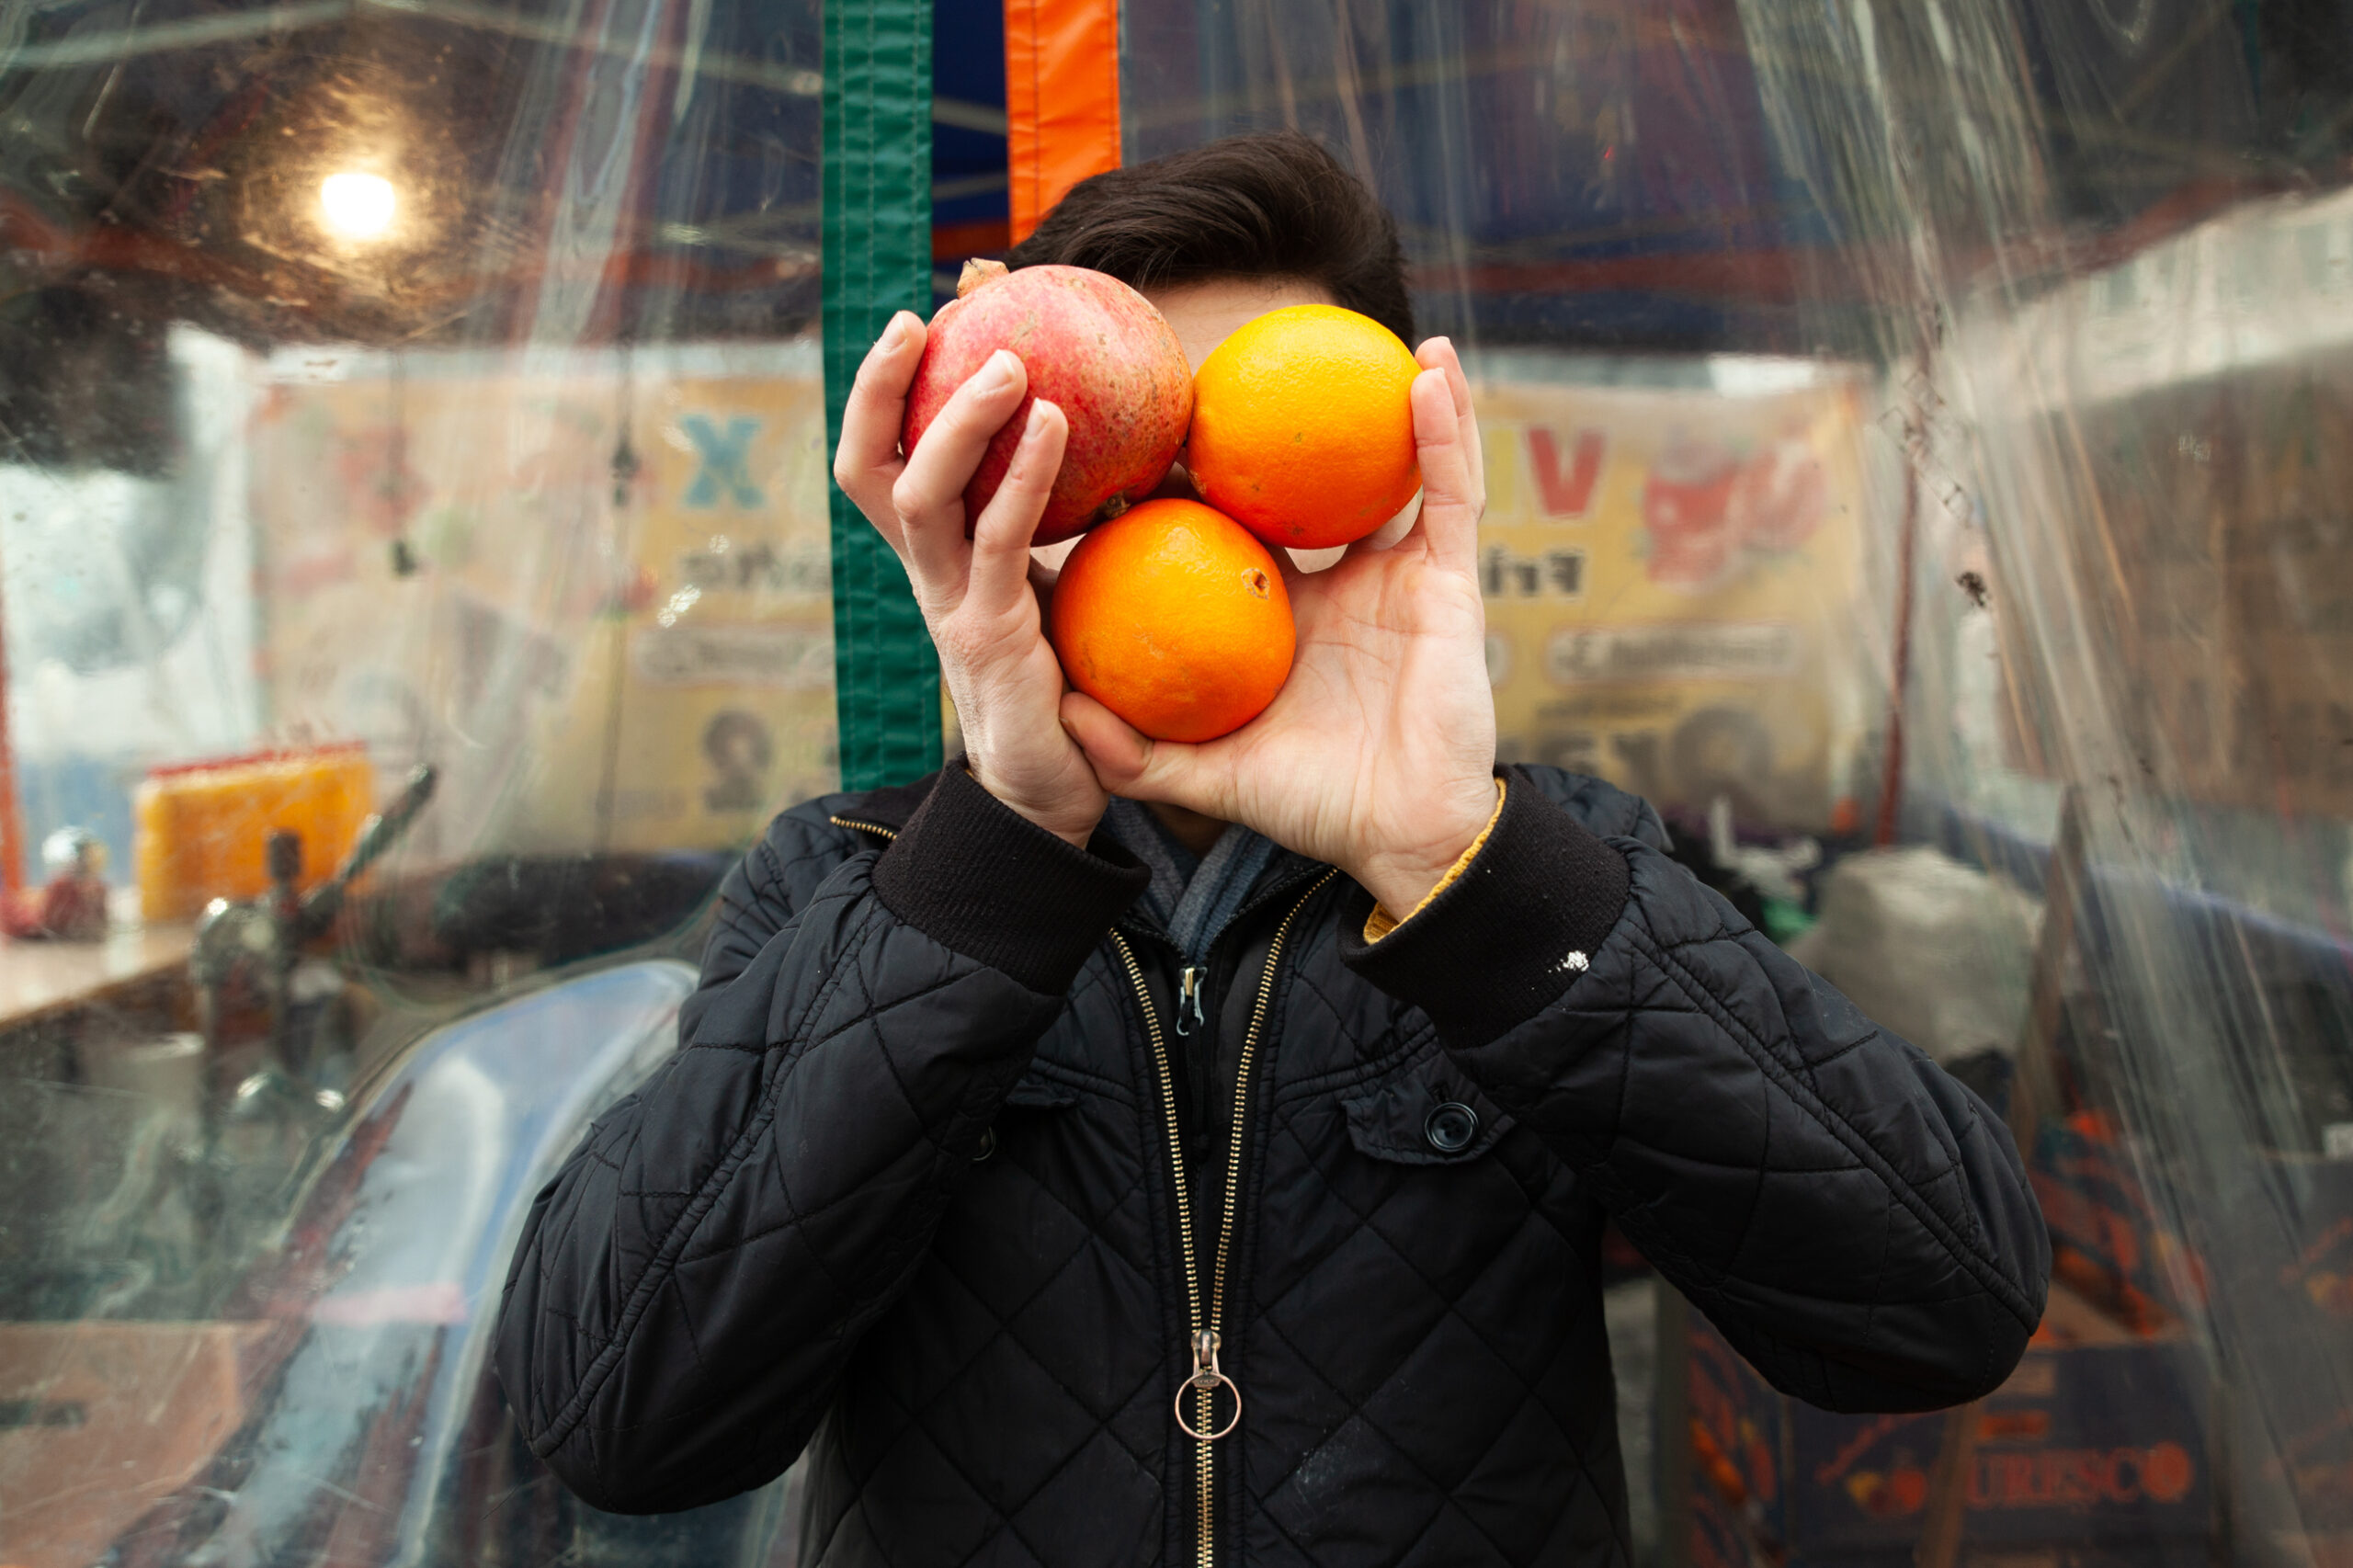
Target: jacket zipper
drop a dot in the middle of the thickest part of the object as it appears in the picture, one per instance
(1204, 1339)
(1189, 1015)
(889, 833)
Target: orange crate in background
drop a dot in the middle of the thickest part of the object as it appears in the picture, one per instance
(202, 827)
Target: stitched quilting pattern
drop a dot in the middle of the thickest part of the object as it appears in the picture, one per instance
(795, 1237)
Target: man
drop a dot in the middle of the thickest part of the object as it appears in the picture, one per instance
(1114, 1153)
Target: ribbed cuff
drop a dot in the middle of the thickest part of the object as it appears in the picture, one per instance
(1512, 934)
(983, 880)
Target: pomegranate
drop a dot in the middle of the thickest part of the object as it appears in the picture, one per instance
(1093, 346)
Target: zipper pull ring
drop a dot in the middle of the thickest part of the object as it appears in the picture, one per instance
(1188, 1000)
(1202, 1386)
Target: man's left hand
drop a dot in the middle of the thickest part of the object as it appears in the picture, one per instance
(1378, 755)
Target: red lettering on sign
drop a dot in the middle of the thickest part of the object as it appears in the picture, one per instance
(2167, 1472)
(2031, 1481)
(2085, 1476)
(2082, 1478)
(1559, 495)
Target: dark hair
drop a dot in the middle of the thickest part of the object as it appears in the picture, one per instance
(1271, 205)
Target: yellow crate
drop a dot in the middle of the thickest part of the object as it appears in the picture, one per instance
(202, 829)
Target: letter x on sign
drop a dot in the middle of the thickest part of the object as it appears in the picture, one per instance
(721, 472)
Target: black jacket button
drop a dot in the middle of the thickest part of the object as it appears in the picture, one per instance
(988, 1146)
(1450, 1127)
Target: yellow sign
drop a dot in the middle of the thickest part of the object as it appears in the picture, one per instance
(1673, 584)
(596, 595)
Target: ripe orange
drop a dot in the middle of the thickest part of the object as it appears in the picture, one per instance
(1174, 618)
(1303, 426)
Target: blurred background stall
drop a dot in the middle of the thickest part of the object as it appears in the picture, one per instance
(1918, 437)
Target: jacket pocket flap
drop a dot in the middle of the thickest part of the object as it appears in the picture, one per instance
(1425, 1114)
(1036, 1093)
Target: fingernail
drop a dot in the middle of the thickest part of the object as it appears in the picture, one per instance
(1003, 369)
(1035, 429)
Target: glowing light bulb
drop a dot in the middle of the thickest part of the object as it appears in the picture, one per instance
(358, 206)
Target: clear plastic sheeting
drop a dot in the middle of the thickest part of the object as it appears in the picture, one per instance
(328, 423)
(316, 1377)
(599, 566)
(2175, 665)
(435, 385)
(1919, 435)
(2023, 666)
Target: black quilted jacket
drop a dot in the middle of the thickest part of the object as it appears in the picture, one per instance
(932, 1192)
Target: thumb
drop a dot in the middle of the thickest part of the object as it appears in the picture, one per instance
(1130, 764)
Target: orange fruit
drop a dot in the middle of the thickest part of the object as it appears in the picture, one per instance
(1303, 426)
(1174, 618)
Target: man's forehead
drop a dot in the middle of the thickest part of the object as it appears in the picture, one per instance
(1205, 313)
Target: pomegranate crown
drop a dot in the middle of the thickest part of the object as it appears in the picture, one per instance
(978, 273)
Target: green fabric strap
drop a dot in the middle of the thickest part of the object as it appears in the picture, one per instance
(877, 260)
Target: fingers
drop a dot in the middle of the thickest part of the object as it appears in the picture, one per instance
(1438, 354)
(1127, 764)
(867, 462)
(939, 468)
(1000, 536)
(929, 495)
(1447, 443)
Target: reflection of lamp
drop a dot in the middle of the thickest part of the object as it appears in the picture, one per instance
(358, 206)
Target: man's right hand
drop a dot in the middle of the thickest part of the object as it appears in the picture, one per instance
(982, 596)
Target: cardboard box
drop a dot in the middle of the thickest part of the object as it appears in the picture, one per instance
(2098, 1449)
(204, 828)
(1721, 1539)
(2294, 1382)
(1712, 1549)
(2108, 1243)
(1740, 1439)
(2084, 1444)
(2216, 569)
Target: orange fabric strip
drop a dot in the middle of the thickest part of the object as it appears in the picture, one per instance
(1062, 100)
